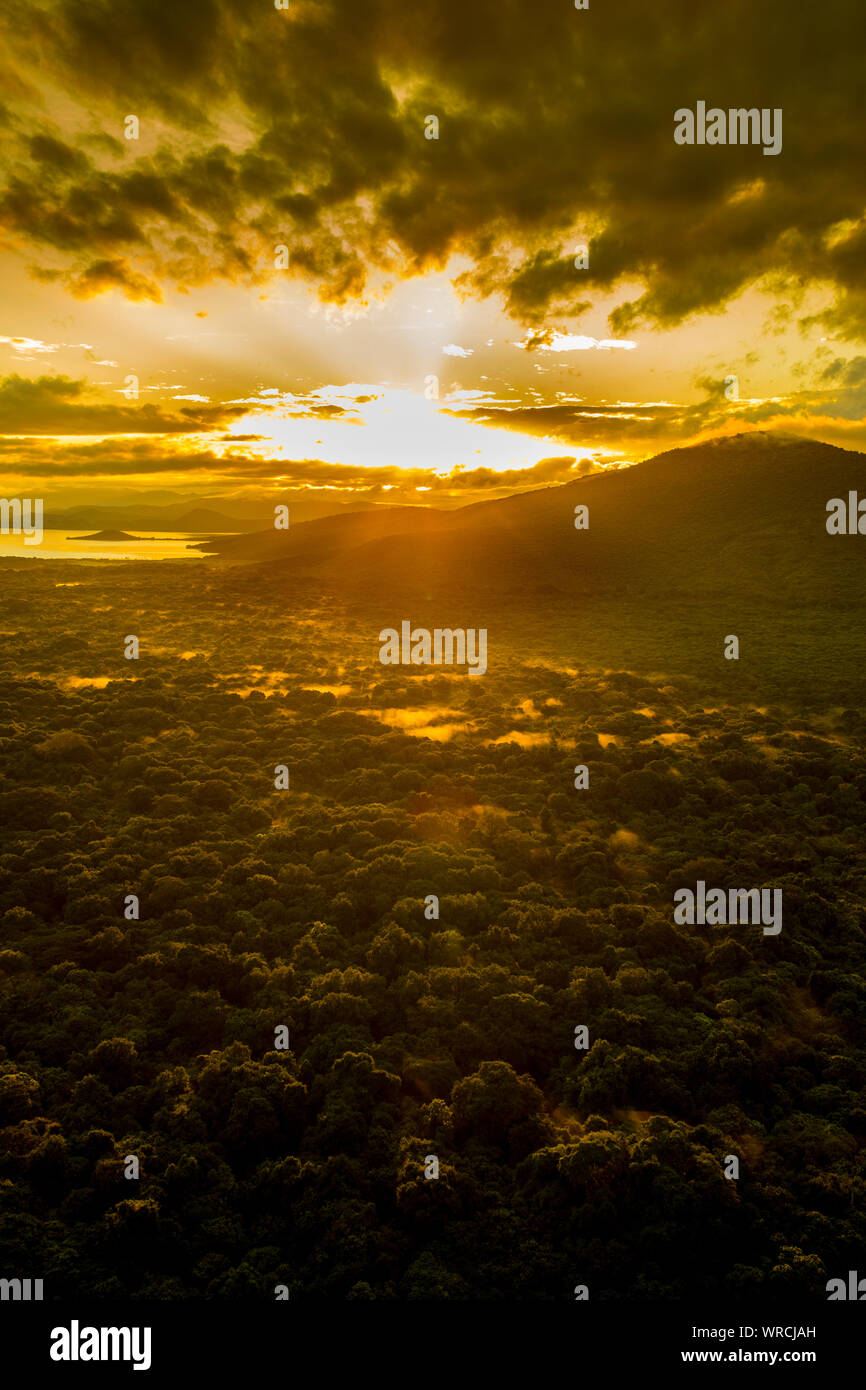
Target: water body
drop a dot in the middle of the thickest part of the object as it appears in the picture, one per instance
(59, 545)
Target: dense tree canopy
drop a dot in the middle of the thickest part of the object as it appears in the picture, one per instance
(412, 1034)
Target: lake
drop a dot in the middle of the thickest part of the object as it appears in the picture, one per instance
(56, 545)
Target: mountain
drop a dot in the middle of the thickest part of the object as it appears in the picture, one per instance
(744, 514)
(329, 539)
(138, 517)
(110, 535)
(202, 515)
(207, 519)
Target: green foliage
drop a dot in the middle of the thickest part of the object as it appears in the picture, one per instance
(413, 1036)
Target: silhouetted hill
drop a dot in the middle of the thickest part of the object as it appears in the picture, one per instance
(221, 514)
(332, 539)
(110, 535)
(744, 515)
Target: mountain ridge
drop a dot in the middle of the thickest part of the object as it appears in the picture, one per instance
(740, 514)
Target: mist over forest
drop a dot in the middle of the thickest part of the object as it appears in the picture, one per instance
(415, 1031)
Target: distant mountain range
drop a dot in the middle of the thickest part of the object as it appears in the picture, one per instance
(746, 513)
(205, 517)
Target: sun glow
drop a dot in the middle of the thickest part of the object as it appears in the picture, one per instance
(391, 427)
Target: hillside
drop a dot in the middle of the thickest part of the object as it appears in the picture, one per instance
(742, 515)
(412, 1035)
(329, 541)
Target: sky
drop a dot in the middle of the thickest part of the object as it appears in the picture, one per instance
(281, 282)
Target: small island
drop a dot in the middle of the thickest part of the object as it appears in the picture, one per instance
(111, 536)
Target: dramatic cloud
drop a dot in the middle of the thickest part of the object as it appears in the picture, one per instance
(466, 232)
(140, 459)
(305, 128)
(836, 415)
(58, 405)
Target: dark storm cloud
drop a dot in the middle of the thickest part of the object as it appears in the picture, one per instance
(125, 458)
(113, 274)
(59, 405)
(550, 119)
(850, 373)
